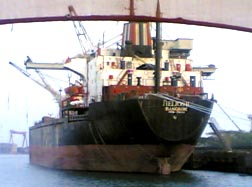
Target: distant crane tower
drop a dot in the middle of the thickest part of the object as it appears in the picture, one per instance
(250, 118)
(19, 133)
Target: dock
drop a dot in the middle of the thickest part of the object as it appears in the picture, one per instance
(237, 161)
(225, 151)
(8, 148)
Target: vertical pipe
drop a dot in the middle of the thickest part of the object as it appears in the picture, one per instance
(141, 34)
(139, 81)
(130, 77)
(157, 58)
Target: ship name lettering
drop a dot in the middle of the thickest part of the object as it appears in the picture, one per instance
(176, 109)
(167, 103)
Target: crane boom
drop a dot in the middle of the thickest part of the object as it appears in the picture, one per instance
(84, 40)
(20, 69)
(213, 124)
(54, 66)
(44, 84)
(51, 66)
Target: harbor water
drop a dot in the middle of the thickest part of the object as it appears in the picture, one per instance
(15, 170)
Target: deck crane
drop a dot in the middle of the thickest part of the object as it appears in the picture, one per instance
(84, 40)
(61, 66)
(86, 43)
(57, 96)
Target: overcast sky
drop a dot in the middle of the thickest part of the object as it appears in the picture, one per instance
(23, 102)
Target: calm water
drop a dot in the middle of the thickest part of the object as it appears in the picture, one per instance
(15, 171)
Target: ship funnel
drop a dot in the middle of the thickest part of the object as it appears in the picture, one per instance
(136, 39)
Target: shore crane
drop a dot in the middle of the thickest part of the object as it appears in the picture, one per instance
(19, 133)
(214, 125)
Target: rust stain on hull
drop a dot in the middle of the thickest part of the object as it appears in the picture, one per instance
(114, 158)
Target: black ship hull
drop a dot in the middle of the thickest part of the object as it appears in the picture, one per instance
(152, 134)
(152, 120)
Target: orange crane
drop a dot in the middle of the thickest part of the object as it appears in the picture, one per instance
(19, 133)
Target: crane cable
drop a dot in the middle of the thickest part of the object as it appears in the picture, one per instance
(229, 117)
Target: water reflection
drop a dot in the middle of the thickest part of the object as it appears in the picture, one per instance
(15, 170)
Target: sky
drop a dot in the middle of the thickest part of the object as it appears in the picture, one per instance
(23, 102)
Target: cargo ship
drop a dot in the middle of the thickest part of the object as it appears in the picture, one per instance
(141, 108)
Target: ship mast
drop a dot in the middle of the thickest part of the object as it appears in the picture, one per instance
(157, 51)
(157, 57)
